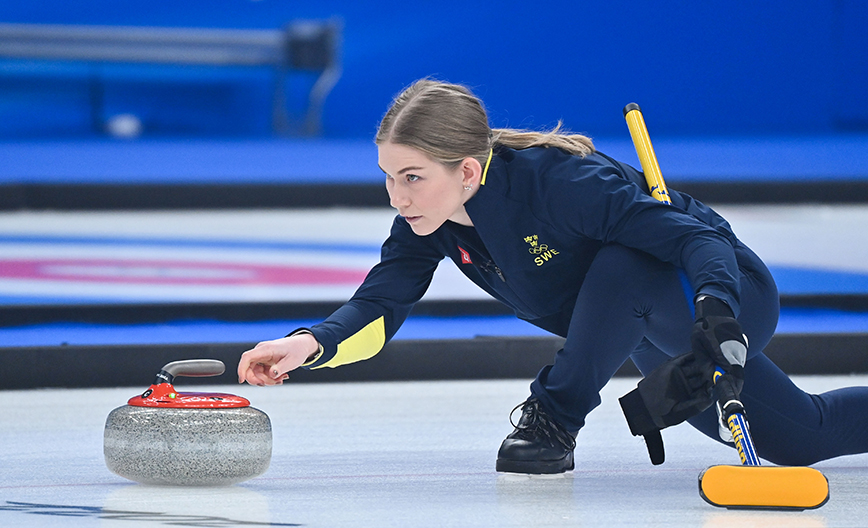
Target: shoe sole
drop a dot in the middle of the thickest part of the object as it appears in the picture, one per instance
(536, 467)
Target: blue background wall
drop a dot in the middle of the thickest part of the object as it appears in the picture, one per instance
(714, 67)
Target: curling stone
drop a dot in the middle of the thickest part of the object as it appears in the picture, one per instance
(164, 437)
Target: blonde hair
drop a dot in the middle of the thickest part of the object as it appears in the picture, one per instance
(448, 123)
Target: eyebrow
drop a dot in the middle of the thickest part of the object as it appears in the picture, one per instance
(402, 171)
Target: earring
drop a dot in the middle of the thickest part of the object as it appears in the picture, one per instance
(468, 187)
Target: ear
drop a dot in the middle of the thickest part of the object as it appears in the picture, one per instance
(471, 172)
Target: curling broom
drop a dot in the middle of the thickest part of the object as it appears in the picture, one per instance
(750, 485)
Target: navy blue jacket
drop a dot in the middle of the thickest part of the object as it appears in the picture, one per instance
(538, 221)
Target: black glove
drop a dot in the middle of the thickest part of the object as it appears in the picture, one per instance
(673, 392)
(717, 336)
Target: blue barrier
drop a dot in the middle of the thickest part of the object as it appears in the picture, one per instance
(698, 68)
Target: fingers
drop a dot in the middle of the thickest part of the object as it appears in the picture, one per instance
(253, 367)
(727, 388)
(258, 373)
(248, 359)
(268, 362)
(279, 369)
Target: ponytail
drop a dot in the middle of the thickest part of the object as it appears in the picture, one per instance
(448, 123)
(575, 144)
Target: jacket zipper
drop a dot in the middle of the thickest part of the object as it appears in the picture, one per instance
(490, 266)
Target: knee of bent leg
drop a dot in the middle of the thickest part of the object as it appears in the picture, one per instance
(787, 456)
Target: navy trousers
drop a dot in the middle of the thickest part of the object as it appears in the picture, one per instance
(632, 305)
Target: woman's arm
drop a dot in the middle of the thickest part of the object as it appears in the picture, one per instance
(359, 329)
(606, 204)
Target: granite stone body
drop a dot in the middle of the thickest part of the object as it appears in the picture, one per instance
(187, 447)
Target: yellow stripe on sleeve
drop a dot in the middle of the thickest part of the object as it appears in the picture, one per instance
(360, 346)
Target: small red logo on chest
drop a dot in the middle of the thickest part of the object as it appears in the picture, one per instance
(465, 256)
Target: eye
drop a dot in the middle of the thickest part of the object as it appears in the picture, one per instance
(412, 177)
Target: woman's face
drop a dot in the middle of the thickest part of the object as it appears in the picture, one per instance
(423, 191)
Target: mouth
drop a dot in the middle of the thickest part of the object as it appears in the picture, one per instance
(412, 219)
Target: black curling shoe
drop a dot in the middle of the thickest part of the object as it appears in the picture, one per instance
(539, 445)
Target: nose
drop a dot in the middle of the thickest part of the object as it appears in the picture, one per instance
(398, 197)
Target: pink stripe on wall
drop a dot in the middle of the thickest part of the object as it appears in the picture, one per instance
(174, 272)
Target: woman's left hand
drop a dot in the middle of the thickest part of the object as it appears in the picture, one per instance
(717, 336)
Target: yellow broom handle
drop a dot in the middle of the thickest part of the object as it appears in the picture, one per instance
(636, 123)
(642, 142)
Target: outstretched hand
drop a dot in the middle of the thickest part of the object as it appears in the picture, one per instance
(268, 362)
